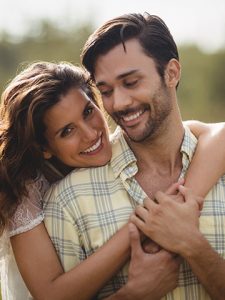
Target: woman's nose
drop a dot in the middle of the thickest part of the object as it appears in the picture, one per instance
(89, 133)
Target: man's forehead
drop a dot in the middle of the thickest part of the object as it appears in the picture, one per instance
(123, 74)
(118, 63)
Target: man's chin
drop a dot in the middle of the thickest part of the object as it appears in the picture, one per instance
(133, 137)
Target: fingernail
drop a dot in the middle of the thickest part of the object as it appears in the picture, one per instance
(181, 187)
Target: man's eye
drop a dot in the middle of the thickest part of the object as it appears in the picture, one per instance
(131, 83)
(66, 131)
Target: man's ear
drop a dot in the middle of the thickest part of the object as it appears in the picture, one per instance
(172, 73)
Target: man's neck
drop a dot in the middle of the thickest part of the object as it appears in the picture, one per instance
(159, 160)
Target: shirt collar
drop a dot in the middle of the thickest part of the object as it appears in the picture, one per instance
(188, 148)
(123, 159)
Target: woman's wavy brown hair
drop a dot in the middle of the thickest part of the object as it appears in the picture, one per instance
(22, 130)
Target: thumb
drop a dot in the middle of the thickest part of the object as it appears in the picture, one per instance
(190, 196)
(135, 241)
(187, 193)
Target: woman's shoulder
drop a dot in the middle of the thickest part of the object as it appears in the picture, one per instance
(29, 212)
(40, 185)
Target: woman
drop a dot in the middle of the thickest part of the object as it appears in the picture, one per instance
(26, 109)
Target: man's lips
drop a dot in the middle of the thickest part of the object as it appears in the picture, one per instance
(133, 116)
(130, 118)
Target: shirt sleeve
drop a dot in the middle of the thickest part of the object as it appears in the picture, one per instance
(29, 213)
(62, 230)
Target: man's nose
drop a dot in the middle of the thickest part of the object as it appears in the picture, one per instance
(121, 100)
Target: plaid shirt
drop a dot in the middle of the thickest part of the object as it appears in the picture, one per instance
(86, 208)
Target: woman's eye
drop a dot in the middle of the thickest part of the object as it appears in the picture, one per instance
(66, 131)
(106, 93)
(88, 111)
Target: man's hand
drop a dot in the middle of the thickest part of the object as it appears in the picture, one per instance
(151, 276)
(169, 223)
(148, 244)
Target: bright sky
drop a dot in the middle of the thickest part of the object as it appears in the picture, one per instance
(193, 21)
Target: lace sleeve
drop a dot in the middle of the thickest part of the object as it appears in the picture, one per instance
(29, 213)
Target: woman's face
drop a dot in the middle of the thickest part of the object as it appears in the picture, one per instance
(77, 132)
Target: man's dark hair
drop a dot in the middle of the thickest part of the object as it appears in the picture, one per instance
(150, 30)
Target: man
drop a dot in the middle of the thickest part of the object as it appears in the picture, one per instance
(134, 61)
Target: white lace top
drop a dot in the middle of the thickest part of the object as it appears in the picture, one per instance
(28, 215)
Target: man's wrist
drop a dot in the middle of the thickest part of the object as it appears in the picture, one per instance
(129, 292)
(122, 294)
(193, 247)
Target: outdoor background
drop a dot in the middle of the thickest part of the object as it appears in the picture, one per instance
(56, 31)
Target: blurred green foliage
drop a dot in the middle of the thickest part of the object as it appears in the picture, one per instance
(201, 92)
(48, 42)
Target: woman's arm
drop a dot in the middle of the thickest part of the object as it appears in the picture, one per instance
(44, 276)
(38, 261)
(43, 273)
(208, 163)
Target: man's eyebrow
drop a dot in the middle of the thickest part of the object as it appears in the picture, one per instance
(121, 76)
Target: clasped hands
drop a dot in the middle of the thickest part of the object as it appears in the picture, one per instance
(171, 219)
(169, 222)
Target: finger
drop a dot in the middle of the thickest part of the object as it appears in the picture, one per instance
(137, 222)
(141, 212)
(200, 201)
(149, 203)
(187, 193)
(191, 197)
(134, 240)
(161, 197)
(172, 190)
(181, 181)
(146, 203)
(178, 197)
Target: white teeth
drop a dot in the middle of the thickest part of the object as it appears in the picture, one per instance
(94, 147)
(134, 116)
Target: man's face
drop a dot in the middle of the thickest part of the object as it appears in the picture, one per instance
(132, 91)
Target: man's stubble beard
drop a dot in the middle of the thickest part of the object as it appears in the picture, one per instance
(156, 124)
